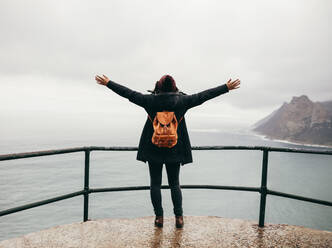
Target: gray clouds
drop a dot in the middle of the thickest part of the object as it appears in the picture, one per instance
(277, 49)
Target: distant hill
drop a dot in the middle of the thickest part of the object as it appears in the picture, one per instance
(301, 121)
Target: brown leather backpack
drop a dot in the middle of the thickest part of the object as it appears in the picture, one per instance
(165, 127)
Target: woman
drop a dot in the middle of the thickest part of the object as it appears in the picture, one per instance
(177, 151)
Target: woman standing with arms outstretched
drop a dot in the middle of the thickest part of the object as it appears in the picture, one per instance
(165, 139)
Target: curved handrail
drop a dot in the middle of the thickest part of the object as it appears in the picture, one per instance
(135, 148)
(263, 190)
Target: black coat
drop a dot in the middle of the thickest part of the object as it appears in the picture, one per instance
(171, 101)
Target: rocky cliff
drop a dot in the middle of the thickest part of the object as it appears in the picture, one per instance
(301, 121)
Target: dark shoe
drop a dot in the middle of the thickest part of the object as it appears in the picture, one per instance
(159, 221)
(179, 221)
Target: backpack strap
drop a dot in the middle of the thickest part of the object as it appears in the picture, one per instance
(152, 120)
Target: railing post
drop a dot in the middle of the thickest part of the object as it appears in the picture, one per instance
(86, 185)
(263, 188)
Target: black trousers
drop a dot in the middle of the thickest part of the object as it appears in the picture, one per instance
(173, 171)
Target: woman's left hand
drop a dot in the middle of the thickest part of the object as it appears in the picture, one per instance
(102, 80)
(233, 85)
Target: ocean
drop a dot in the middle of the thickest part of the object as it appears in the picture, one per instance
(24, 181)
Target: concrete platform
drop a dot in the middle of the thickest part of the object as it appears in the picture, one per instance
(198, 231)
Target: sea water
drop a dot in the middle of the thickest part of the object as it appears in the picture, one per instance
(25, 181)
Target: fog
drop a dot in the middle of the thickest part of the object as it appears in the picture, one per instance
(51, 51)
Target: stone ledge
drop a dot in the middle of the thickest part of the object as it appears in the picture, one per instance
(198, 231)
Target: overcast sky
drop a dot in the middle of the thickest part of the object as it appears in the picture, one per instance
(51, 50)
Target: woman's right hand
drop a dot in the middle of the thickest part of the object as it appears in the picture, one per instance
(102, 80)
(233, 85)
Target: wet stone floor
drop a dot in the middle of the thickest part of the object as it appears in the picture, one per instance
(198, 231)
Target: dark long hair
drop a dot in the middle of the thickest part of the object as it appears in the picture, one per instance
(165, 84)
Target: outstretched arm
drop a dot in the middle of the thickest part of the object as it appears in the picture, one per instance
(133, 96)
(199, 98)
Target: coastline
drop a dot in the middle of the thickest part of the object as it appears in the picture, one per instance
(248, 131)
(265, 137)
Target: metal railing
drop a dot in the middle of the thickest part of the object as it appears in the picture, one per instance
(263, 190)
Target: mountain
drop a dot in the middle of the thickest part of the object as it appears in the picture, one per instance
(300, 121)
